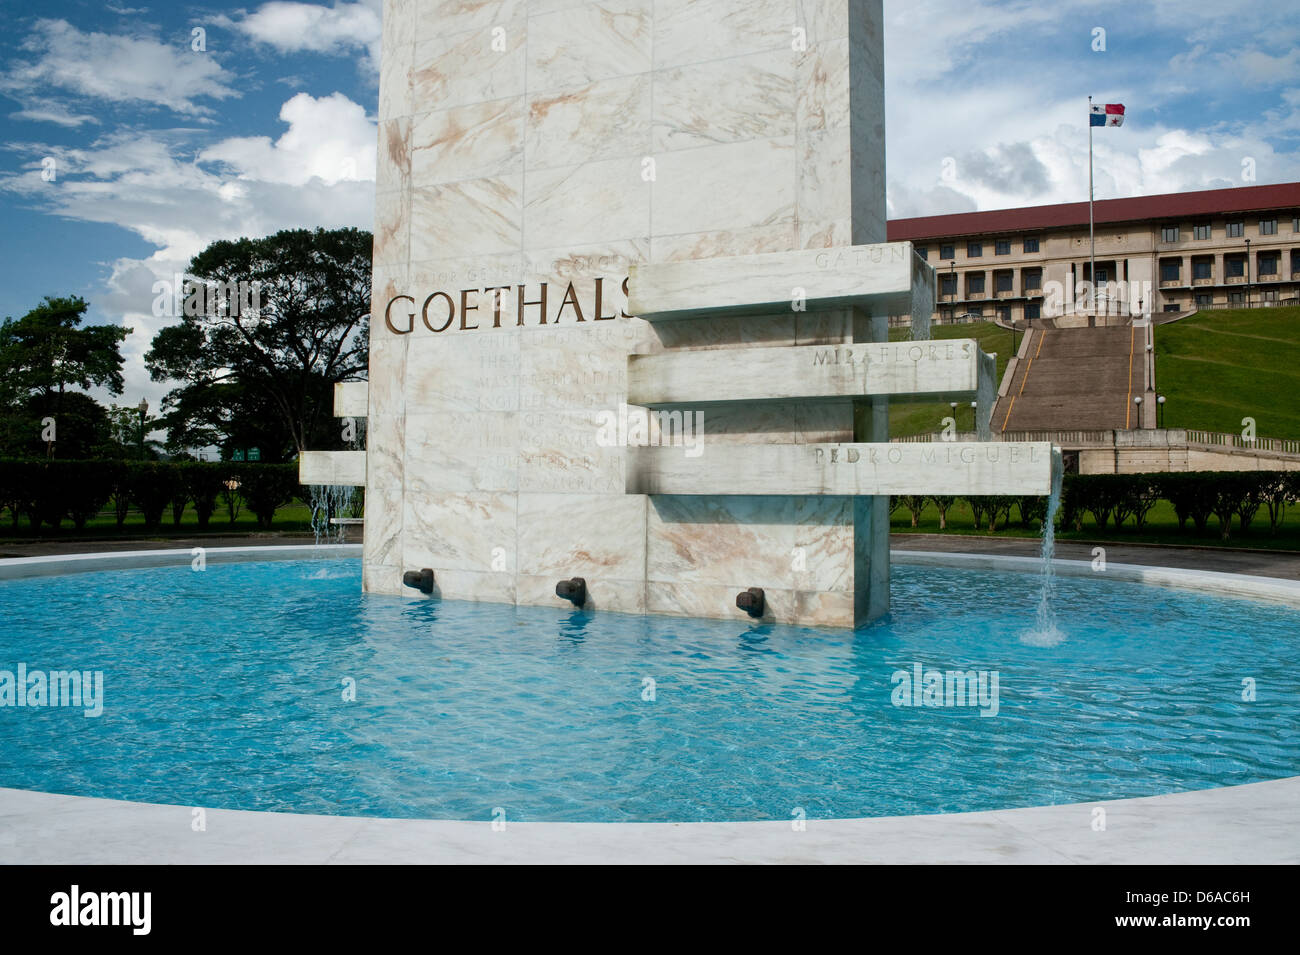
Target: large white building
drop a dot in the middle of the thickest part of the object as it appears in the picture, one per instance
(1215, 248)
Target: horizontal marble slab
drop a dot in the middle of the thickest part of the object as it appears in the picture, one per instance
(924, 370)
(341, 468)
(351, 399)
(878, 277)
(844, 469)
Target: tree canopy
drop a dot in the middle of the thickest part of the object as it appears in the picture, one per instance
(260, 364)
(43, 356)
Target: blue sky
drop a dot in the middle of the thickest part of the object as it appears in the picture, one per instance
(159, 148)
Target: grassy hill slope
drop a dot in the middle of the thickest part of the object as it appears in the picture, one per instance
(1217, 367)
(920, 417)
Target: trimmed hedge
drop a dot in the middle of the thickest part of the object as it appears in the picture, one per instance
(1114, 502)
(48, 492)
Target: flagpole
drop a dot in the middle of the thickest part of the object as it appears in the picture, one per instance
(1092, 240)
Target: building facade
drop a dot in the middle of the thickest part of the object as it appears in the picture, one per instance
(1218, 248)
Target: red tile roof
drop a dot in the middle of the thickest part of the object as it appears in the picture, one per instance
(1177, 205)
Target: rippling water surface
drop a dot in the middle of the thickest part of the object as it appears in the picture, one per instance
(225, 689)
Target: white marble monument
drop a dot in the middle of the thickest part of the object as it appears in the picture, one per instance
(629, 314)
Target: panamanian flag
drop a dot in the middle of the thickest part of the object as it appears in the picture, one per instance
(1111, 114)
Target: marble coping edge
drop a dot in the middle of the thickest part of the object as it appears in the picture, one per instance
(1220, 583)
(1273, 589)
(50, 565)
(1250, 823)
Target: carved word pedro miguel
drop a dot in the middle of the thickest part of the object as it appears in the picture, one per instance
(508, 306)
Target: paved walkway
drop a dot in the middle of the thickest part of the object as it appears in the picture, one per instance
(1285, 565)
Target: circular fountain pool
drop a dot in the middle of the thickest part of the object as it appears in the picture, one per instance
(231, 689)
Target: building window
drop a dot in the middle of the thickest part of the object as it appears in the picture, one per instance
(1033, 311)
(1268, 227)
(947, 252)
(1172, 307)
(1033, 279)
(1268, 263)
(1031, 245)
(1268, 295)
(1002, 247)
(1169, 233)
(1004, 312)
(1004, 281)
(945, 314)
(974, 250)
(1170, 269)
(1103, 276)
(1202, 231)
(1235, 230)
(1202, 270)
(975, 283)
(923, 252)
(1204, 298)
(1295, 224)
(948, 284)
(1234, 266)
(975, 311)
(1236, 298)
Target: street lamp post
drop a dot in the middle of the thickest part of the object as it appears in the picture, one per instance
(952, 271)
(1248, 273)
(1160, 410)
(974, 413)
(1137, 403)
(143, 408)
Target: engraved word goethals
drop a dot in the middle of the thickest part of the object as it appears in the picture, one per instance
(467, 310)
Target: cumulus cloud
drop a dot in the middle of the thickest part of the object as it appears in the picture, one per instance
(114, 68)
(986, 101)
(328, 138)
(178, 195)
(1012, 169)
(292, 27)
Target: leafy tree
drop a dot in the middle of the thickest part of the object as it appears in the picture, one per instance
(260, 369)
(129, 436)
(44, 356)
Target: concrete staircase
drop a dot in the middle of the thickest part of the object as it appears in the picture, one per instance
(1067, 379)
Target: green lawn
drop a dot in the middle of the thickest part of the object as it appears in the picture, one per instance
(1217, 367)
(913, 417)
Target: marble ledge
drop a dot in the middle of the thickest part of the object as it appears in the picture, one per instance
(881, 277)
(850, 469)
(339, 468)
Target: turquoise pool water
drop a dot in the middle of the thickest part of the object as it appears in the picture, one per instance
(226, 689)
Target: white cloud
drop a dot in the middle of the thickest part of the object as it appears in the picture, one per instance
(328, 138)
(180, 198)
(56, 114)
(987, 86)
(292, 27)
(114, 68)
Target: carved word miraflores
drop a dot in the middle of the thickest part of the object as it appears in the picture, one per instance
(513, 305)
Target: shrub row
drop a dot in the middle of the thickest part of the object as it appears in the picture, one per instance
(49, 492)
(1127, 499)
(1195, 496)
